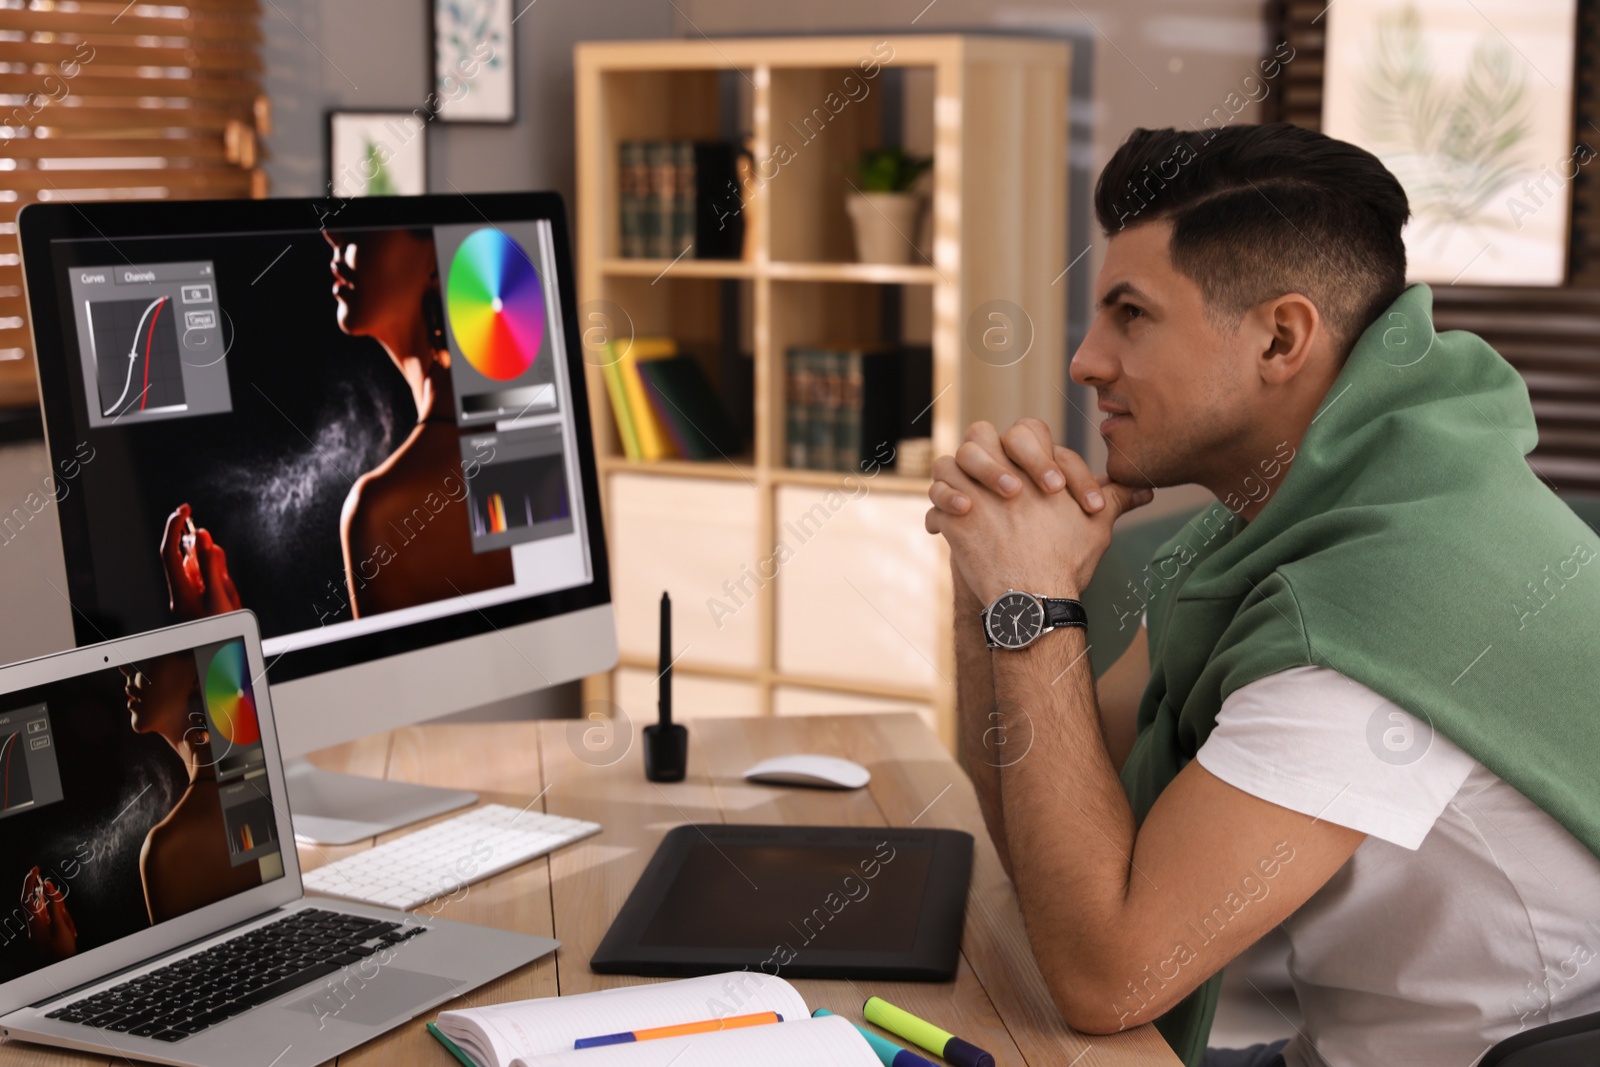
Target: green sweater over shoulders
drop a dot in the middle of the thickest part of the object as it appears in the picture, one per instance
(1410, 548)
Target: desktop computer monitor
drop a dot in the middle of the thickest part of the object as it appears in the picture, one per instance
(364, 420)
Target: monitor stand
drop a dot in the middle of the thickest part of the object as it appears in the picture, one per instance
(331, 808)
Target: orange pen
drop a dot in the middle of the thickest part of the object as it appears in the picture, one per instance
(733, 1022)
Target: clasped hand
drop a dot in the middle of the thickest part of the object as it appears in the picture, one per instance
(1021, 512)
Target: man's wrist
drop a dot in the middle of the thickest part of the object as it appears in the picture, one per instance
(1054, 589)
(964, 595)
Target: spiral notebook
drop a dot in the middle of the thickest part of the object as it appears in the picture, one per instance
(542, 1033)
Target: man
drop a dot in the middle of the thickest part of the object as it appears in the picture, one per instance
(1365, 705)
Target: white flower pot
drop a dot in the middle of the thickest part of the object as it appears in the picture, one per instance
(885, 225)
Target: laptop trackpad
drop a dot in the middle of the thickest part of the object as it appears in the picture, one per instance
(388, 994)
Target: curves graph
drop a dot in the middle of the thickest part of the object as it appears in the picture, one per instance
(138, 363)
(133, 355)
(495, 301)
(15, 789)
(228, 698)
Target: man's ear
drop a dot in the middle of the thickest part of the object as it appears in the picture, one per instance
(1289, 328)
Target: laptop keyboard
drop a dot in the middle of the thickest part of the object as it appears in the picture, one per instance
(233, 976)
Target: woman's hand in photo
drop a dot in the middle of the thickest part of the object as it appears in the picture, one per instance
(198, 583)
(50, 925)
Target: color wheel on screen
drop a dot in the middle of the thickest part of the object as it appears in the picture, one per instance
(228, 697)
(495, 301)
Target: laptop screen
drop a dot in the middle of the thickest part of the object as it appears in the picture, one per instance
(129, 796)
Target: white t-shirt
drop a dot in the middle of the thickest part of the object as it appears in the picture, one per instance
(1467, 914)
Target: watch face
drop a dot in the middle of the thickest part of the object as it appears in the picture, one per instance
(1015, 619)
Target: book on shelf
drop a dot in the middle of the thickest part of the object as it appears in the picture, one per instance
(683, 183)
(633, 181)
(849, 409)
(794, 399)
(544, 1032)
(680, 198)
(642, 435)
(846, 407)
(685, 404)
(818, 414)
(664, 404)
(662, 202)
(612, 373)
(718, 198)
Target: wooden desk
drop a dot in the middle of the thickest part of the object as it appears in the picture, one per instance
(997, 1001)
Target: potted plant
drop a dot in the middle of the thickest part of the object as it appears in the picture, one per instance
(883, 208)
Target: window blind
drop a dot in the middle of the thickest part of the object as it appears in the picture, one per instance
(119, 101)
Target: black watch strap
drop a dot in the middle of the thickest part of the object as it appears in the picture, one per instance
(1062, 612)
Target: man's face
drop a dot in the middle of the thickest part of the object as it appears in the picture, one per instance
(1178, 391)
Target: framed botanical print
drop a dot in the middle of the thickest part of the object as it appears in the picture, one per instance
(377, 153)
(474, 60)
(1468, 103)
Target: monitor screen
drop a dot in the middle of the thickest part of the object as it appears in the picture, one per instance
(129, 796)
(366, 432)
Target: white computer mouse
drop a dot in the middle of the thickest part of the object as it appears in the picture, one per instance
(806, 768)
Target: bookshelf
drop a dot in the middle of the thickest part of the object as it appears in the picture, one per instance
(856, 613)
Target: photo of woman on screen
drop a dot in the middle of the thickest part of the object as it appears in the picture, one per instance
(405, 530)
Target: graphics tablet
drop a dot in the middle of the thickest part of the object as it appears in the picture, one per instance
(800, 901)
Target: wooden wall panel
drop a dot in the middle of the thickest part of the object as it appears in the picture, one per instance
(108, 102)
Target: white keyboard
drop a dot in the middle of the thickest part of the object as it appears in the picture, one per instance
(439, 860)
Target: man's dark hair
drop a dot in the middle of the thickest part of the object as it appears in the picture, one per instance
(1259, 211)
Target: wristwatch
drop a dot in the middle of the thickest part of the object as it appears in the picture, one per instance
(1017, 619)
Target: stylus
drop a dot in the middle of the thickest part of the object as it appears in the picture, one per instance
(666, 744)
(664, 665)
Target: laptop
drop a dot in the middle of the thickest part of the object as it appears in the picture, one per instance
(150, 898)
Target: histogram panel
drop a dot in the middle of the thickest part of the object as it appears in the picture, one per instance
(250, 829)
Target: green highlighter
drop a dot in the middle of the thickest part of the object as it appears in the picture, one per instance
(924, 1034)
(889, 1053)
(455, 1049)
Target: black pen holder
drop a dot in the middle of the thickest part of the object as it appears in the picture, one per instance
(666, 752)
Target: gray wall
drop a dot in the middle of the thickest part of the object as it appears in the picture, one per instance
(1159, 62)
(33, 579)
(341, 54)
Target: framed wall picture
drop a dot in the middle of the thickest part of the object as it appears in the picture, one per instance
(377, 153)
(1469, 103)
(474, 60)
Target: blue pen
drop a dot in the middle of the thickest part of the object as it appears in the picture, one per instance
(889, 1053)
